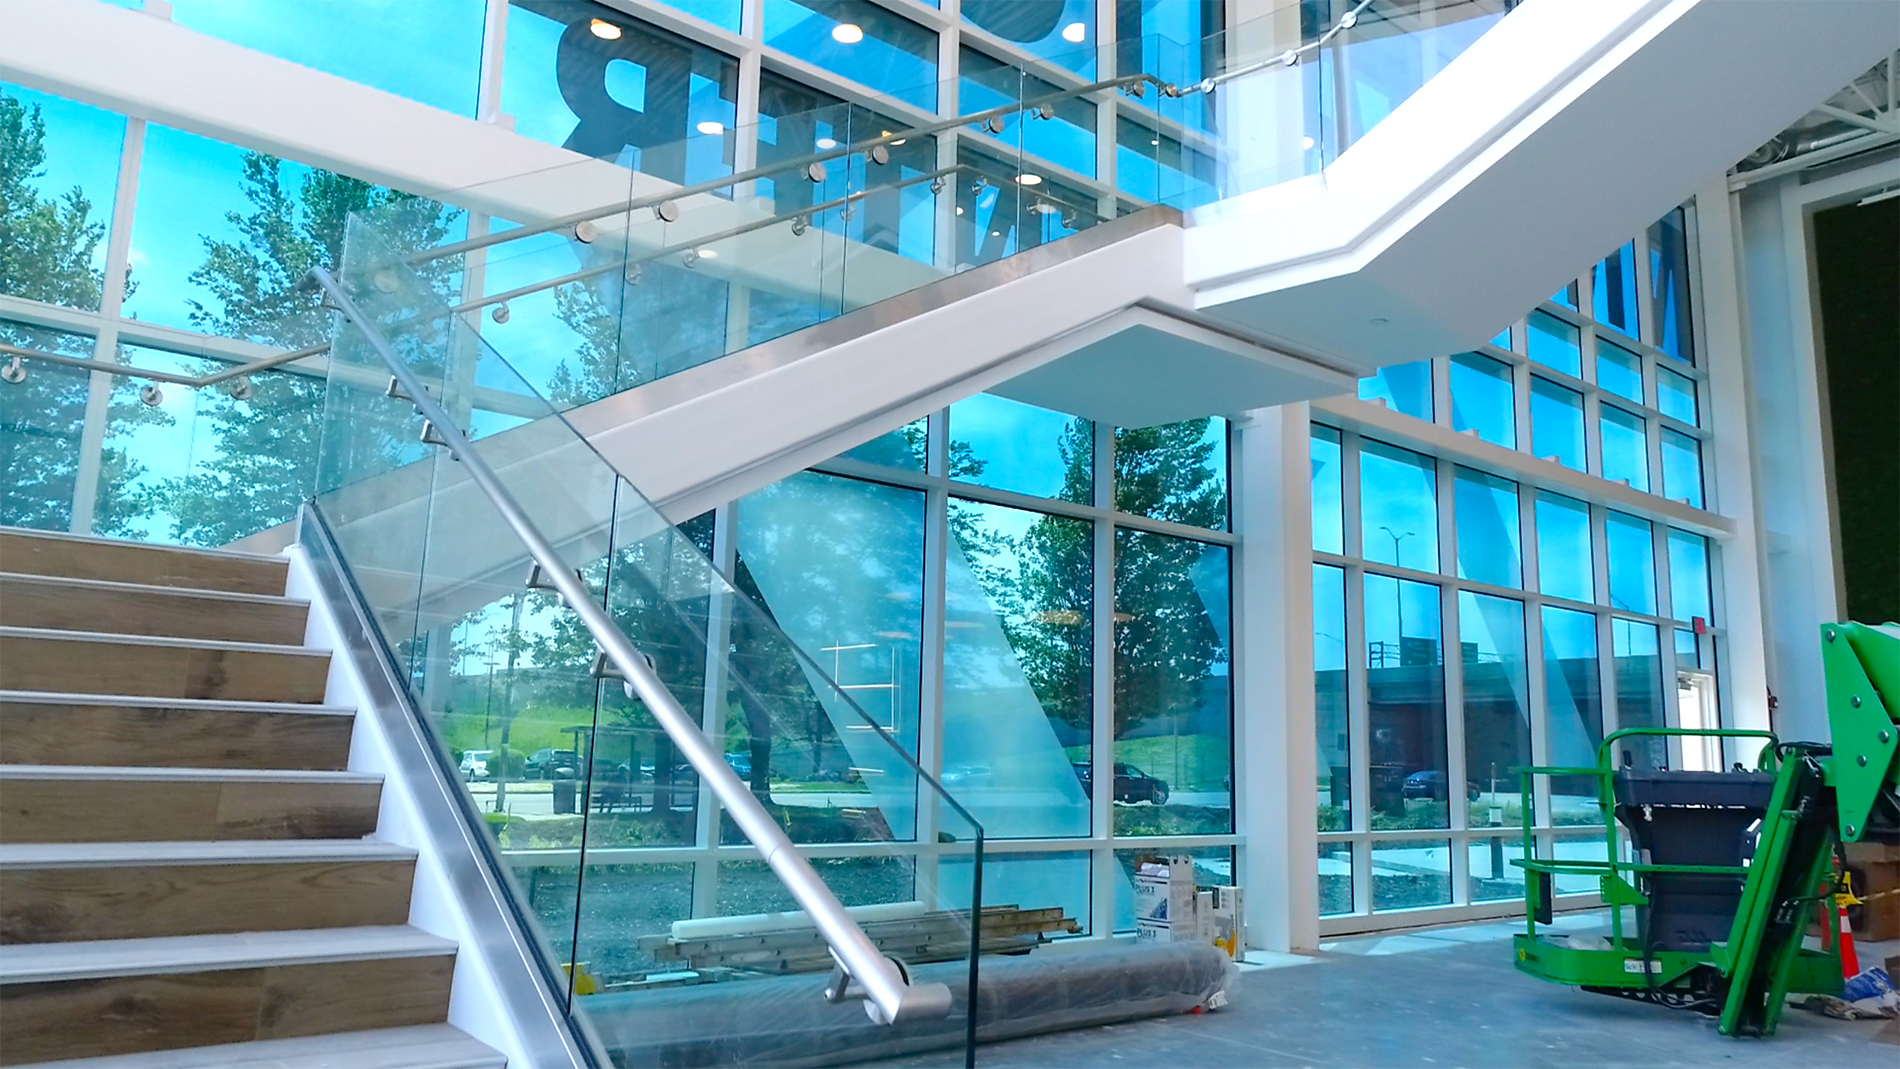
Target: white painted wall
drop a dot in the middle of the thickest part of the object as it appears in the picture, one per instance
(1797, 542)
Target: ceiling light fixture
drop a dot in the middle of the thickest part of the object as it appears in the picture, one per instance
(604, 30)
(1075, 33)
(1029, 179)
(1306, 142)
(825, 144)
(711, 128)
(847, 33)
(709, 254)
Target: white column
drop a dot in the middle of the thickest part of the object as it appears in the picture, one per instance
(1721, 348)
(92, 436)
(1275, 774)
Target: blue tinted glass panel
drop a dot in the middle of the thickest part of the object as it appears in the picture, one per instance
(1175, 472)
(1061, 31)
(1689, 576)
(1567, 296)
(1503, 339)
(602, 84)
(1619, 371)
(1405, 703)
(1625, 448)
(1681, 468)
(1497, 702)
(1403, 388)
(1669, 286)
(1328, 507)
(1639, 690)
(65, 157)
(42, 424)
(1068, 138)
(1157, 167)
(997, 442)
(1556, 423)
(1398, 507)
(1483, 399)
(1564, 568)
(1164, 38)
(430, 53)
(1554, 343)
(1613, 289)
(1487, 528)
(1332, 720)
(1675, 396)
(1173, 692)
(903, 448)
(861, 41)
(1018, 643)
(1573, 707)
(1631, 547)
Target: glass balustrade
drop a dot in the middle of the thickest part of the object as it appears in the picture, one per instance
(648, 895)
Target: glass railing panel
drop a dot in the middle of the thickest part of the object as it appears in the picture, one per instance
(1377, 63)
(635, 821)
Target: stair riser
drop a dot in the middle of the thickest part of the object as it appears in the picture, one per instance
(124, 562)
(92, 1018)
(119, 611)
(56, 905)
(29, 662)
(146, 736)
(90, 811)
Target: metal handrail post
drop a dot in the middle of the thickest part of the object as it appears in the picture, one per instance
(889, 997)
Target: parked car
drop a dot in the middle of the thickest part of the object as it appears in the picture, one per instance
(543, 762)
(1430, 783)
(1131, 784)
(475, 764)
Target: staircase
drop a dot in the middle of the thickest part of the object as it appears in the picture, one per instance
(189, 874)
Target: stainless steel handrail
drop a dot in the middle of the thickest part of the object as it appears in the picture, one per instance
(713, 185)
(889, 994)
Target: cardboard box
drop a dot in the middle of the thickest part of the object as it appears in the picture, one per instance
(1225, 913)
(1164, 900)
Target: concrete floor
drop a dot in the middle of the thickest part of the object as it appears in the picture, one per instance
(1444, 997)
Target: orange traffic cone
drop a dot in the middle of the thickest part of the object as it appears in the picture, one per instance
(1850, 961)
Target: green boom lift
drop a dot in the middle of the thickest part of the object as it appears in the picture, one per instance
(1729, 866)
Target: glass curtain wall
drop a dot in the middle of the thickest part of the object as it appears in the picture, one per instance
(1469, 621)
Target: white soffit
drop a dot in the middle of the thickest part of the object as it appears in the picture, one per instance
(1561, 132)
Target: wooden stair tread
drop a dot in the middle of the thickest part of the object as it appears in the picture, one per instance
(80, 556)
(429, 1046)
(28, 963)
(139, 701)
(49, 634)
(112, 773)
(198, 852)
(183, 593)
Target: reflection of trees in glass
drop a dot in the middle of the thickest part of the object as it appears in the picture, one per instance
(653, 322)
(1171, 473)
(47, 246)
(268, 444)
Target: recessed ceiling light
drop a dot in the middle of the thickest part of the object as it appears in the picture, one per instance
(709, 254)
(1029, 179)
(711, 127)
(1306, 142)
(825, 143)
(1155, 141)
(1074, 33)
(604, 30)
(959, 209)
(847, 33)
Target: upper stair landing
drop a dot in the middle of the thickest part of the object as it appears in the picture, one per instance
(1565, 127)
